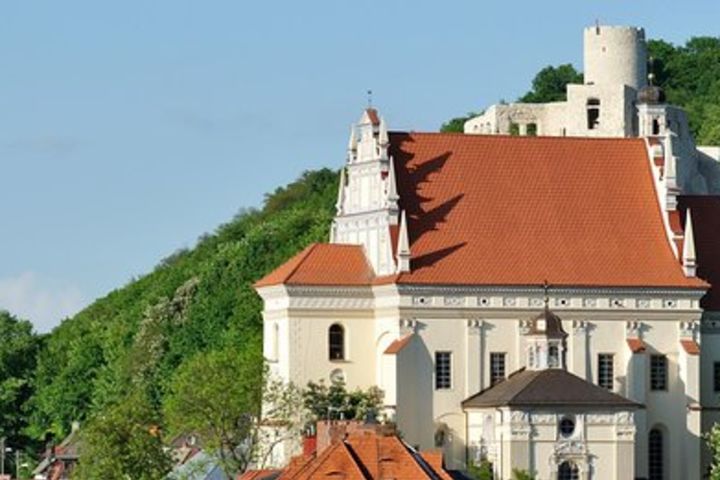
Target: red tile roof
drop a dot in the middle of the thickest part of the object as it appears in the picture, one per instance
(500, 210)
(323, 264)
(367, 455)
(518, 210)
(691, 347)
(706, 225)
(396, 346)
(636, 345)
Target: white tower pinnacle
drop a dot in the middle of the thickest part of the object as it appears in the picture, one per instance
(368, 197)
(688, 256)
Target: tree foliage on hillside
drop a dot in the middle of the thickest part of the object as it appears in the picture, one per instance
(198, 300)
(690, 76)
(18, 348)
(549, 85)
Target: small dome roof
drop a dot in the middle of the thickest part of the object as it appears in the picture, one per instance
(547, 324)
(652, 95)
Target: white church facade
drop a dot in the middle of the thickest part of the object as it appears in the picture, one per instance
(539, 302)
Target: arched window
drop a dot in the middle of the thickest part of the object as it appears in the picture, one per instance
(568, 471)
(655, 455)
(336, 342)
(593, 113)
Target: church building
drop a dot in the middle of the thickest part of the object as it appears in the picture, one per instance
(535, 292)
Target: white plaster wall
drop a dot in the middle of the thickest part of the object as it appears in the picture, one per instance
(615, 55)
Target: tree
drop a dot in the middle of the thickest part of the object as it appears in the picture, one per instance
(124, 442)
(336, 402)
(218, 397)
(713, 443)
(457, 124)
(549, 85)
(519, 474)
(18, 351)
(480, 471)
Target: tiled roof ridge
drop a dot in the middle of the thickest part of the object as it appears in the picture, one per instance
(515, 137)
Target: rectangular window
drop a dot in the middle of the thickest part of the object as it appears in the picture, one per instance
(716, 376)
(443, 370)
(606, 373)
(658, 372)
(497, 367)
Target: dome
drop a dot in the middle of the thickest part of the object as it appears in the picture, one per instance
(651, 95)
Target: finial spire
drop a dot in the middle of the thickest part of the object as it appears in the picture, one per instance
(352, 143)
(369, 98)
(689, 258)
(546, 296)
(383, 138)
(392, 193)
(341, 193)
(403, 249)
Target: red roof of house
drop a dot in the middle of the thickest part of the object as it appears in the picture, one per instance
(706, 227)
(323, 264)
(501, 210)
(366, 455)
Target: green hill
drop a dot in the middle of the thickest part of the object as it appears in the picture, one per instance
(196, 300)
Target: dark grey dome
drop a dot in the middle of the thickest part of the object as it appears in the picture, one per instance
(651, 95)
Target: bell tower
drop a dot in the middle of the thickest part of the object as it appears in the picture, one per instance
(367, 206)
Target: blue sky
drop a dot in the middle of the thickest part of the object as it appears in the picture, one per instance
(128, 129)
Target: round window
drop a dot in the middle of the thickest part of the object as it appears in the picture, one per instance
(567, 427)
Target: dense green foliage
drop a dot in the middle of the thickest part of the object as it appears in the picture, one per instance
(455, 125)
(196, 301)
(690, 76)
(217, 396)
(18, 350)
(549, 84)
(713, 443)
(124, 441)
(334, 401)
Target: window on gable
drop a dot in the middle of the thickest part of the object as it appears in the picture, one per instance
(497, 367)
(443, 370)
(658, 372)
(336, 342)
(606, 367)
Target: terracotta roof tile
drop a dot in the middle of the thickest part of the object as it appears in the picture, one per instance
(366, 455)
(500, 210)
(706, 224)
(691, 347)
(518, 210)
(323, 264)
(400, 343)
(636, 345)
